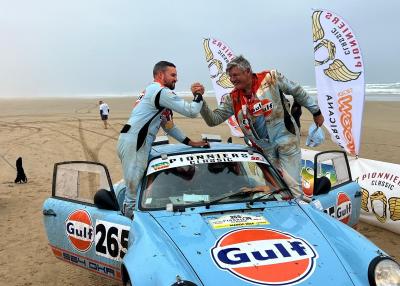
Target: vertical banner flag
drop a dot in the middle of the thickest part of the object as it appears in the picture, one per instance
(218, 55)
(339, 71)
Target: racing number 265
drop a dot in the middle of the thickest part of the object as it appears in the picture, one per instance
(111, 240)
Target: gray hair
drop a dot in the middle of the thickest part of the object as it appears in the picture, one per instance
(239, 62)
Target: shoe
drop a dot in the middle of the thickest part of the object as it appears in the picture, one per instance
(128, 210)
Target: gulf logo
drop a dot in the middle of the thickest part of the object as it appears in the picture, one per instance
(261, 107)
(267, 106)
(79, 230)
(343, 209)
(265, 256)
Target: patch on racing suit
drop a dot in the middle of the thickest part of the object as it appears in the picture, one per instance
(261, 107)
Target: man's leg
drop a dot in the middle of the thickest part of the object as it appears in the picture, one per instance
(133, 174)
(133, 166)
(290, 161)
(104, 119)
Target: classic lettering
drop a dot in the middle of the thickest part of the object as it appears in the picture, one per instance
(346, 39)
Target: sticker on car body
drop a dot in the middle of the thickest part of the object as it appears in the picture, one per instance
(79, 230)
(237, 220)
(111, 239)
(317, 204)
(95, 266)
(344, 208)
(257, 255)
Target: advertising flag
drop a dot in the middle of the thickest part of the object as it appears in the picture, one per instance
(339, 71)
(380, 192)
(218, 55)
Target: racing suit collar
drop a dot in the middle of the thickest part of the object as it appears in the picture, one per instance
(257, 79)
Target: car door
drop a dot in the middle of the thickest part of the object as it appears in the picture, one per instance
(78, 231)
(334, 191)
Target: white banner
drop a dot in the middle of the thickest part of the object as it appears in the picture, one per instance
(339, 74)
(380, 189)
(218, 55)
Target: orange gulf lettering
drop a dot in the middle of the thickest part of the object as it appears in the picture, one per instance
(346, 120)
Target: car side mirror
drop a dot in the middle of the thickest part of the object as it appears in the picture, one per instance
(322, 185)
(103, 199)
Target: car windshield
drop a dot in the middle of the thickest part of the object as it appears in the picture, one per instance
(203, 183)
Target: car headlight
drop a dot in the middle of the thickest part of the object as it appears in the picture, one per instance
(180, 282)
(384, 271)
(183, 283)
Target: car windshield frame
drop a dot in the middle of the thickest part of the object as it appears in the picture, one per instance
(265, 164)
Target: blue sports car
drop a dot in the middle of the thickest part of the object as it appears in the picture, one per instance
(215, 216)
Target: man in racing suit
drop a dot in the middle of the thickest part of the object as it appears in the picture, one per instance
(150, 112)
(260, 109)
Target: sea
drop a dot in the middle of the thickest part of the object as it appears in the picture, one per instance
(373, 91)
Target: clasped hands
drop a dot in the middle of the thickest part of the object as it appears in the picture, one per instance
(197, 88)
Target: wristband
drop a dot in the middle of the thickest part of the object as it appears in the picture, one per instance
(317, 113)
(186, 141)
(197, 97)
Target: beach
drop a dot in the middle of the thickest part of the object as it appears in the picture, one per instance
(48, 130)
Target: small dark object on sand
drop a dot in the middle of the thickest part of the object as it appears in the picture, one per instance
(21, 177)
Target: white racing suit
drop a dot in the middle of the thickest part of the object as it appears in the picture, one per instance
(137, 136)
(266, 122)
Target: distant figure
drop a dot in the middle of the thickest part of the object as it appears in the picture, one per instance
(21, 177)
(104, 110)
(296, 112)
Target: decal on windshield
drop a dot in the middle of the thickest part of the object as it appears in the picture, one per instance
(236, 220)
(202, 158)
(160, 166)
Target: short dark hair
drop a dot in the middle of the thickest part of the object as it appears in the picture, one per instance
(162, 66)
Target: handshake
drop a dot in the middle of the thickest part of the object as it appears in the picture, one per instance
(198, 91)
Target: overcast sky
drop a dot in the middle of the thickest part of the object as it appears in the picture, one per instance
(83, 47)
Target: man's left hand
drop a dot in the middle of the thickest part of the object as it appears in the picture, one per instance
(319, 120)
(203, 144)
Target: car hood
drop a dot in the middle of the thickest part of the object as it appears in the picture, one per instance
(277, 245)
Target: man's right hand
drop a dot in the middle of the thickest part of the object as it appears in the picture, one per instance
(198, 91)
(197, 88)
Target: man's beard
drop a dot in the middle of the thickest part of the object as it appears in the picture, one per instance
(171, 85)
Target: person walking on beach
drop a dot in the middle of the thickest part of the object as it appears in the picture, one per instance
(152, 111)
(258, 104)
(104, 111)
